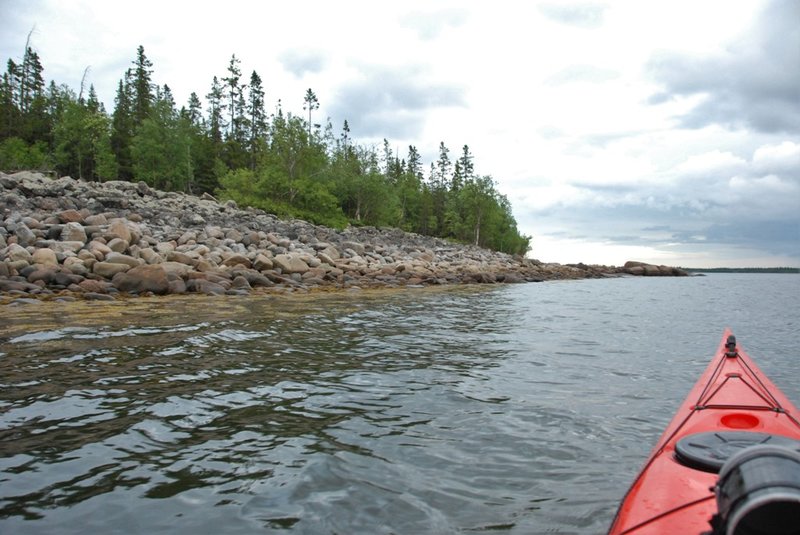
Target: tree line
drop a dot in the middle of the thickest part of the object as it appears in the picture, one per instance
(282, 162)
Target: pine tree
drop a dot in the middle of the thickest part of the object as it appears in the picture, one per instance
(123, 126)
(216, 107)
(31, 81)
(464, 169)
(233, 94)
(142, 86)
(9, 112)
(310, 103)
(194, 113)
(258, 119)
(346, 139)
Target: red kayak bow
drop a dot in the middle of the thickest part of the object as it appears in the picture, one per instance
(731, 453)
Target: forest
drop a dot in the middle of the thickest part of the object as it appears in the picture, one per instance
(282, 162)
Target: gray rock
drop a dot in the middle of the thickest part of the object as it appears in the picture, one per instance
(119, 258)
(262, 262)
(25, 235)
(73, 232)
(107, 270)
(118, 245)
(290, 264)
(17, 253)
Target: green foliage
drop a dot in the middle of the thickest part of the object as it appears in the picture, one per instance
(81, 138)
(15, 154)
(161, 149)
(282, 163)
(268, 190)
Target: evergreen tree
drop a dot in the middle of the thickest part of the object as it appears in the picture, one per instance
(310, 103)
(194, 113)
(346, 139)
(142, 86)
(258, 119)
(234, 92)
(440, 185)
(464, 169)
(9, 112)
(123, 126)
(216, 108)
(31, 81)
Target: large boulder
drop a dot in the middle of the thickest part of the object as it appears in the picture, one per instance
(289, 264)
(107, 270)
(17, 253)
(119, 229)
(45, 257)
(73, 232)
(145, 278)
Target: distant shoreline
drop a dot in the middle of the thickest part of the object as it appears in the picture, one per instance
(791, 270)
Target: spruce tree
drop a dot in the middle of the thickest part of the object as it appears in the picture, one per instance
(233, 94)
(310, 103)
(123, 125)
(258, 119)
(142, 86)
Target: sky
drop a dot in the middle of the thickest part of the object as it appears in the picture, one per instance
(663, 131)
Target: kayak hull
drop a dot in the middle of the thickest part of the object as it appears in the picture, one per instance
(732, 398)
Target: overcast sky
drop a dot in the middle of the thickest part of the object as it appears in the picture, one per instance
(665, 131)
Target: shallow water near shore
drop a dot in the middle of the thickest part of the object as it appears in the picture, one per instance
(520, 408)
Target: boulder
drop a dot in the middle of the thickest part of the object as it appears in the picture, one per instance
(94, 286)
(95, 220)
(145, 278)
(262, 262)
(71, 216)
(240, 283)
(46, 257)
(119, 258)
(62, 246)
(181, 270)
(290, 264)
(118, 245)
(73, 232)
(25, 236)
(205, 287)
(17, 253)
(117, 228)
(107, 270)
(150, 256)
(237, 260)
(182, 258)
(76, 266)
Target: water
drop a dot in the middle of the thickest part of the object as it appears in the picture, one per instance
(519, 409)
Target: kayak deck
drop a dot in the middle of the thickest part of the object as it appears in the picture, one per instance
(733, 399)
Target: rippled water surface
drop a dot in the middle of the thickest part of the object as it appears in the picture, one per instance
(524, 409)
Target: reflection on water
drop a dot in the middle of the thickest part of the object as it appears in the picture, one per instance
(439, 411)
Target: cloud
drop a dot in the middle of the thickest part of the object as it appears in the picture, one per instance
(582, 73)
(430, 24)
(582, 15)
(713, 162)
(713, 201)
(392, 102)
(783, 159)
(753, 84)
(299, 61)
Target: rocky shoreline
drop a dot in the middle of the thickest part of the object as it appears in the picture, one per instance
(66, 239)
